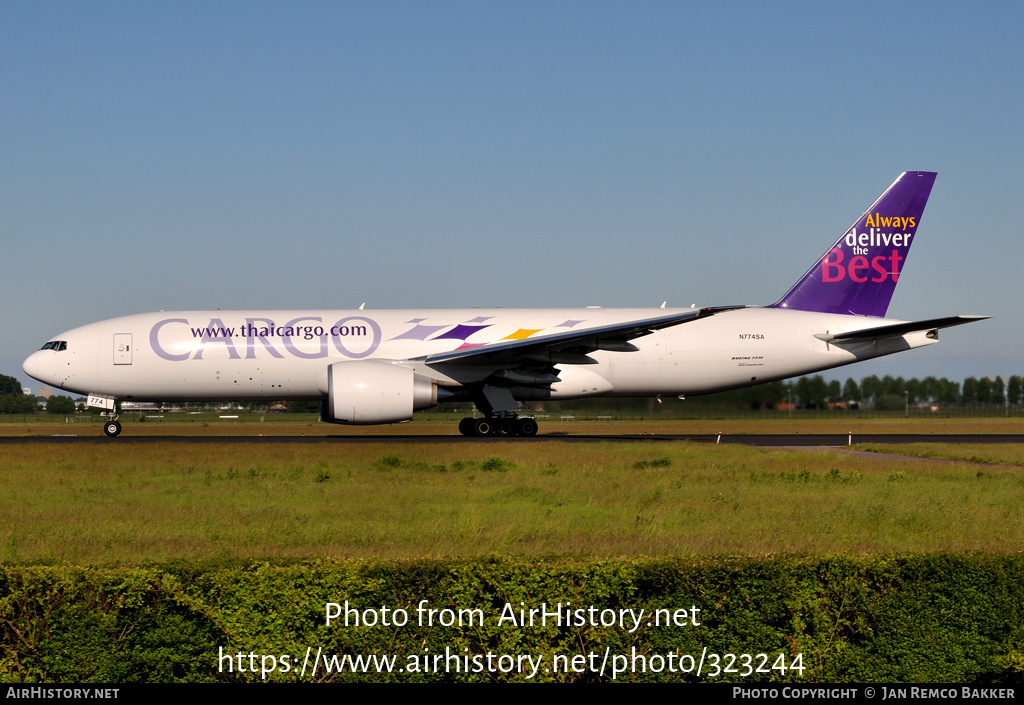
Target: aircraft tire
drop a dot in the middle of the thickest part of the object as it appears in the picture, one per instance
(505, 427)
(467, 427)
(112, 428)
(526, 427)
(483, 427)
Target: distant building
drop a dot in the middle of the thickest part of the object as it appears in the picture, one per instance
(140, 406)
(45, 392)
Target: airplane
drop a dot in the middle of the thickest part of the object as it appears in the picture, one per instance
(378, 367)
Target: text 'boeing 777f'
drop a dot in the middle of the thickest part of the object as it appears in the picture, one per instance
(378, 367)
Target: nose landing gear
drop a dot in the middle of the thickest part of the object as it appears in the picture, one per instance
(112, 427)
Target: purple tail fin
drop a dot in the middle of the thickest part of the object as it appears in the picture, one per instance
(859, 273)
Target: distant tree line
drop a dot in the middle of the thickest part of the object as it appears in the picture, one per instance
(884, 394)
(892, 393)
(14, 401)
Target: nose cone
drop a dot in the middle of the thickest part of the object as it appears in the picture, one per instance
(39, 365)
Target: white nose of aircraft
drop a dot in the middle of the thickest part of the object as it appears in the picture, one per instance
(40, 365)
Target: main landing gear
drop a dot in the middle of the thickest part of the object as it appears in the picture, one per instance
(505, 426)
(112, 427)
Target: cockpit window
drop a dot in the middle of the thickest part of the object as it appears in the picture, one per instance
(56, 345)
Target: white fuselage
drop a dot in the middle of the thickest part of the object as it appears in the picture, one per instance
(281, 355)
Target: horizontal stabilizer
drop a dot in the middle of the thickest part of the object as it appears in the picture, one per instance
(897, 329)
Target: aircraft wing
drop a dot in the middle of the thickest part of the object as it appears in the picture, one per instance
(896, 329)
(570, 347)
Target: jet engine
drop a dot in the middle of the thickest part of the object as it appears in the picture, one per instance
(375, 392)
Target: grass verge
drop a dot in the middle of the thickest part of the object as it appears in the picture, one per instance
(110, 503)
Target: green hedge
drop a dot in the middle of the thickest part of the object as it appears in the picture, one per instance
(880, 619)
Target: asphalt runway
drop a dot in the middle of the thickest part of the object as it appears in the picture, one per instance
(766, 440)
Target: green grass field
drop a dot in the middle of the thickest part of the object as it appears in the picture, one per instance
(128, 503)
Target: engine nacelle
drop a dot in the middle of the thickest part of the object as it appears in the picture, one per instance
(375, 392)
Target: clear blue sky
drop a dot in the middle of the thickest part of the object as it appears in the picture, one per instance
(450, 154)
